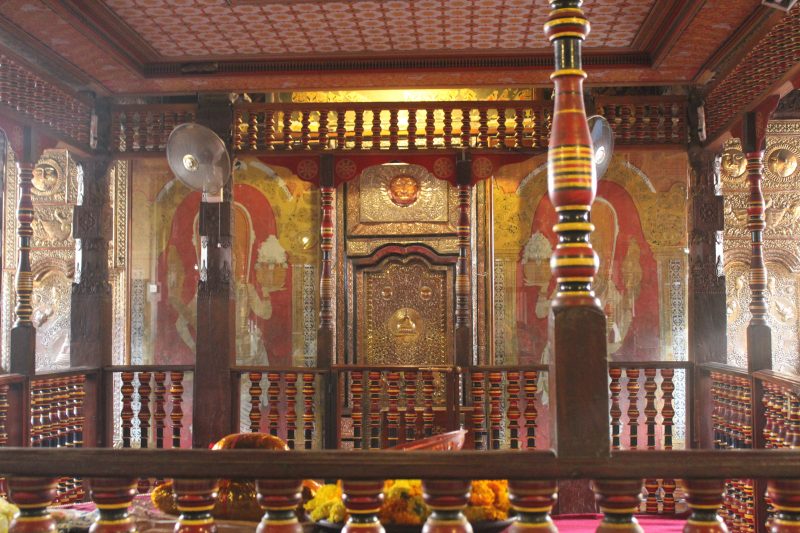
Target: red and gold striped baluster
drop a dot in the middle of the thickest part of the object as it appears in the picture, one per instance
(513, 409)
(756, 223)
(447, 130)
(633, 407)
(4, 406)
(255, 401)
(626, 123)
(144, 421)
(531, 378)
(650, 412)
(533, 501)
(478, 410)
(769, 421)
(616, 412)
(113, 498)
(519, 128)
(668, 413)
(716, 412)
(176, 393)
(501, 128)
(783, 417)
(495, 412)
(483, 128)
(269, 129)
(410, 414)
(127, 410)
(305, 131)
(394, 129)
(32, 495)
(195, 499)
(725, 413)
(341, 129)
(160, 414)
(291, 409)
(358, 129)
(393, 413)
(43, 413)
(446, 500)
(749, 506)
(273, 397)
(430, 127)
(36, 429)
(375, 410)
(63, 411)
(357, 391)
(412, 128)
(466, 128)
(737, 421)
(376, 129)
(704, 497)
(287, 130)
(427, 401)
(322, 134)
(793, 429)
(53, 412)
(72, 400)
(279, 499)
(785, 497)
(618, 500)
(746, 407)
(362, 500)
(252, 131)
(309, 415)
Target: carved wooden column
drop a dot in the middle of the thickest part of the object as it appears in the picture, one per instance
(216, 333)
(707, 306)
(326, 334)
(463, 321)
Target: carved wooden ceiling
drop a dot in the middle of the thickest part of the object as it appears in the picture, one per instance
(169, 46)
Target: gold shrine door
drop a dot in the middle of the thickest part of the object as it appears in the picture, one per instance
(396, 302)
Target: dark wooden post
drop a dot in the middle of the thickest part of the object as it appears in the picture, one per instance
(707, 306)
(326, 339)
(463, 322)
(579, 373)
(213, 413)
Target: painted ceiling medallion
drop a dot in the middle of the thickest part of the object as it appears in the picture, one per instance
(404, 190)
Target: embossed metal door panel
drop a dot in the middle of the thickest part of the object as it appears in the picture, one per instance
(404, 312)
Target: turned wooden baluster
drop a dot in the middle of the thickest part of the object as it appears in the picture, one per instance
(291, 409)
(309, 414)
(410, 415)
(79, 396)
(358, 129)
(531, 378)
(668, 413)
(519, 128)
(412, 128)
(478, 412)
(483, 128)
(616, 412)
(113, 498)
(357, 391)
(374, 410)
(626, 124)
(273, 397)
(466, 128)
(393, 129)
(501, 127)
(252, 131)
(362, 499)
(63, 411)
(4, 406)
(495, 412)
(430, 128)
(793, 431)
(35, 431)
(446, 501)
(176, 392)
(287, 130)
(716, 411)
(195, 498)
(127, 410)
(322, 138)
(144, 409)
(633, 408)
(513, 409)
(704, 499)
(448, 128)
(393, 413)
(305, 131)
(32, 495)
(650, 412)
(53, 421)
(269, 129)
(376, 129)
(783, 417)
(785, 497)
(618, 500)
(533, 501)
(747, 413)
(341, 129)
(769, 416)
(279, 499)
(255, 401)
(160, 415)
(427, 400)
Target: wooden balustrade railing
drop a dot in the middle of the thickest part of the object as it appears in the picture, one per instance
(617, 482)
(263, 128)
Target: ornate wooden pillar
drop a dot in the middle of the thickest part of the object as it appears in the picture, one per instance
(463, 321)
(759, 334)
(213, 414)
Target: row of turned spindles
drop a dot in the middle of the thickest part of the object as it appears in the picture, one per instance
(532, 500)
(781, 416)
(340, 128)
(152, 390)
(57, 412)
(145, 131)
(659, 123)
(286, 392)
(660, 492)
(732, 415)
(490, 391)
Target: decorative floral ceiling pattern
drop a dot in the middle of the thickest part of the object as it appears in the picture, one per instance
(215, 28)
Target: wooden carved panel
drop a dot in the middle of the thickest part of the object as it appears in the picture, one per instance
(405, 312)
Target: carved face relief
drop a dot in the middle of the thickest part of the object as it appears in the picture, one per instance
(404, 190)
(782, 162)
(45, 179)
(734, 163)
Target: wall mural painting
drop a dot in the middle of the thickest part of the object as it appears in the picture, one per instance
(640, 238)
(274, 247)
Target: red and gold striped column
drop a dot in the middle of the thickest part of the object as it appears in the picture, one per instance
(279, 498)
(363, 499)
(195, 499)
(533, 501)
(756, 223)
(113, 497)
